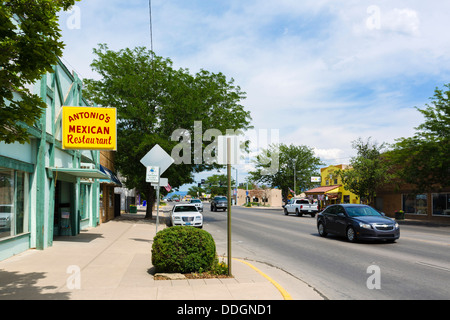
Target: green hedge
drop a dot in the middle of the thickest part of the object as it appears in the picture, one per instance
(183, 250)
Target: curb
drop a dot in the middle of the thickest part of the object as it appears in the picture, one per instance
(283, 292)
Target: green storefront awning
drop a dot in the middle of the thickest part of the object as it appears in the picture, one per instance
(81, 173)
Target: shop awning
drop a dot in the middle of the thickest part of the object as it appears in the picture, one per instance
(81, 173)
(324, 190)
(111, 177)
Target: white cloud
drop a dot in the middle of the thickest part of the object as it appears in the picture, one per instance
(331, 154)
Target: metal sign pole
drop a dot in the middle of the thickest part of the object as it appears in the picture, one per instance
(157, 208)
(229, 203)
(157, 203)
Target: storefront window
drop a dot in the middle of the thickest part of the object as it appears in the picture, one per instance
(84, 201)
(20, 202)
(415, 203)
(347, 199)
(12, 202)
(441, 204)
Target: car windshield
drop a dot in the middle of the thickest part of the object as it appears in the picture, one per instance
(362, 211)
(221, 199)
(5, 208)
(185, 209)
(195, 201)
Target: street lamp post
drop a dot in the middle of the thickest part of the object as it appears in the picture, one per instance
(295, 182)
(236, 187)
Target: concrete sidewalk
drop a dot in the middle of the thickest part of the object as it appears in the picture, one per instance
(113, 262)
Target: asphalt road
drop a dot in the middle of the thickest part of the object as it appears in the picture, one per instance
(417, 266)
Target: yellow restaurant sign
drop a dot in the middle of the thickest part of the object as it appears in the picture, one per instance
(88, 128)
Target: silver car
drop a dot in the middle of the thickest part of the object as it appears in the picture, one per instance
(198, 203)
(186, 215)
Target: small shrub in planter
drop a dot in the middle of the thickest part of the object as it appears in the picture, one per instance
(183, 250)
(399, 215)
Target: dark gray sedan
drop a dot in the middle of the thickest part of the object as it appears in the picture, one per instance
(357, 222)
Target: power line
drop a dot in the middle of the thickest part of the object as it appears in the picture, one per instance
(151, 26)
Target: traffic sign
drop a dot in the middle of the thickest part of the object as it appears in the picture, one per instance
(157, 157)
(163, 182)
(152, 174)
(160, 159)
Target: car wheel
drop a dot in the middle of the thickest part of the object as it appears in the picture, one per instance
(321, 229)
(298, 213)
(286, 212)
(351, 234)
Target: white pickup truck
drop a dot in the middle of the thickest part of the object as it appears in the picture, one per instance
(301, 206)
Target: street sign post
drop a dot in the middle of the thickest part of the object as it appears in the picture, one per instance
(228, 153)
(229, 202)
(159, 158)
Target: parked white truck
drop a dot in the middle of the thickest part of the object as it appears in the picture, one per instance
(301, 206)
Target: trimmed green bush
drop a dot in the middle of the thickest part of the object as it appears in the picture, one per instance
(183, 250)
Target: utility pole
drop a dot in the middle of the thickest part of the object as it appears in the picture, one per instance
(295, 178)
(229, 203)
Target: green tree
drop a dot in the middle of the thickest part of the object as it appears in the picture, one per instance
(153, 100)
(369, 172)
(424, 159)
(300, 159)
(29, 47)
(196, 191)
(217, 184)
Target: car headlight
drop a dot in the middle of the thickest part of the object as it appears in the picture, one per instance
(198, 218)
(396, 225)
(365, 225)
(176, 218)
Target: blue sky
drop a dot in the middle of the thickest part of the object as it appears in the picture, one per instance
(323, 72)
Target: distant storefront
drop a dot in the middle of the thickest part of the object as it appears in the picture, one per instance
(431, 206)
(331, 189)
(109, 200)
(266, 197)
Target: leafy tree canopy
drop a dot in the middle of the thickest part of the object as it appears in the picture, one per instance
(424, 159)
(29, 47)
(217, 185)
(369, 171)
(153, 100)
(299, 158)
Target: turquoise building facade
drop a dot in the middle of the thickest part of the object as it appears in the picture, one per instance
(45, 191)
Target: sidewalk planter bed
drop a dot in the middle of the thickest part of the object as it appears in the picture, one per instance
(133, 209)
(399, 215)
(183, 249)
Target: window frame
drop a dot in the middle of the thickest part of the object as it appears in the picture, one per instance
(19, 196)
